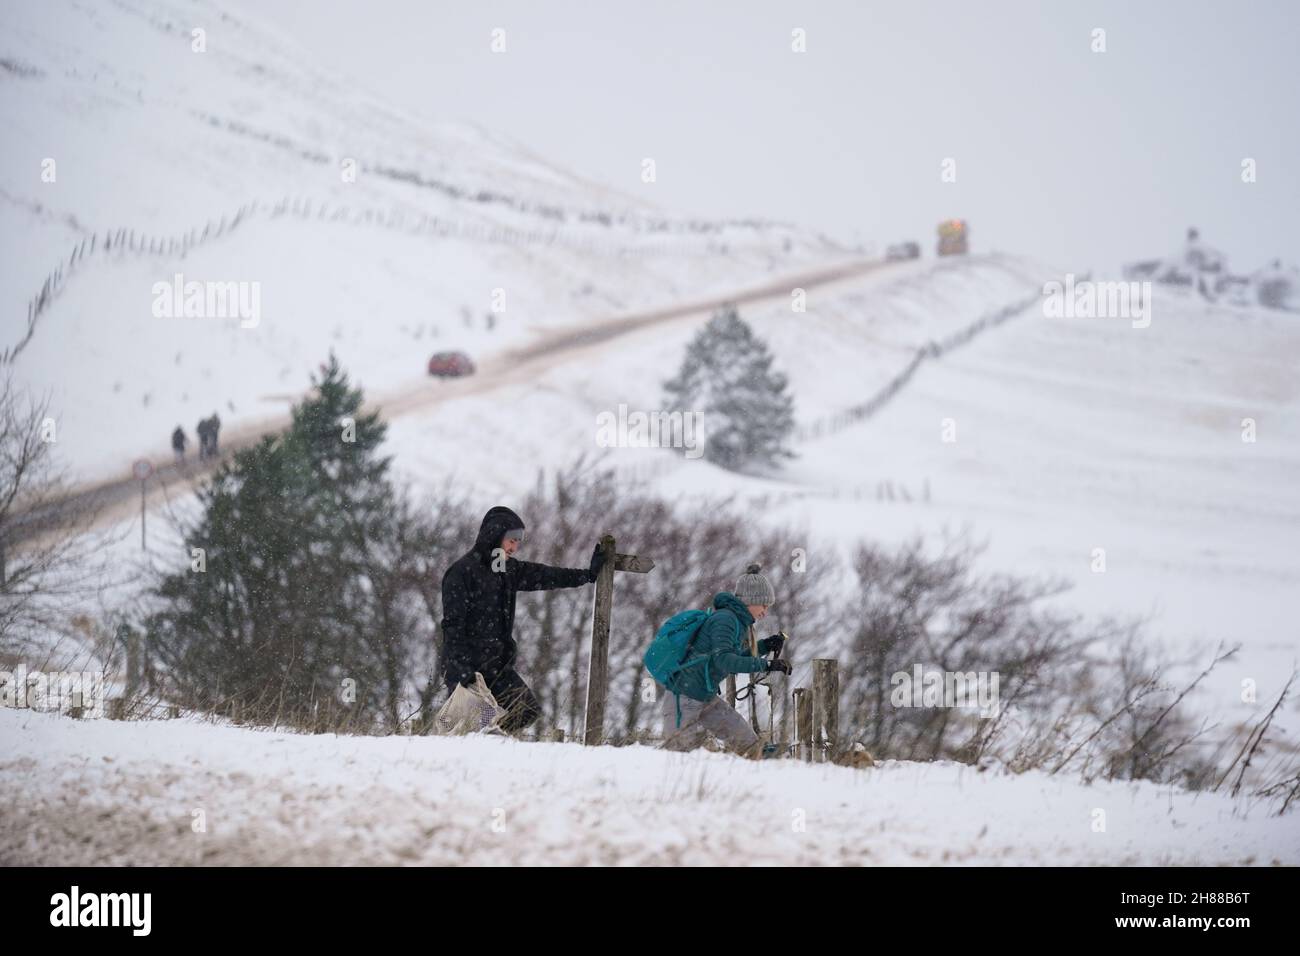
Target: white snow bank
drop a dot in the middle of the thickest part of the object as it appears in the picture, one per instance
(102, 792)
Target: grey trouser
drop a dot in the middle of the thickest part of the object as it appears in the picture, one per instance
(703, 718)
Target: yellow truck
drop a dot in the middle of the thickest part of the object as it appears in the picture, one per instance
(952, 237)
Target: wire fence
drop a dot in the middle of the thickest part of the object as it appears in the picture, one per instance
(125, 241)
(847, 417)
(883, 489)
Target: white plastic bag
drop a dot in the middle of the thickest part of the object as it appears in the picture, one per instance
(469, 710)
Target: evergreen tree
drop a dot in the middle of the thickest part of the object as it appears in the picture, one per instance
(727, 375)
(306, 584)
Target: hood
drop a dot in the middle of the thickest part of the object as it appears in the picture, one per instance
(496, 523)
(726, 601)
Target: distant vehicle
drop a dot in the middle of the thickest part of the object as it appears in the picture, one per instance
(952, 237)
(450, 365)
(901, 251)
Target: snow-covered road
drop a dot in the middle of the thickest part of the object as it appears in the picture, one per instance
(182, 792)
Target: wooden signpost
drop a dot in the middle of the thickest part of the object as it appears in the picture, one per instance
(598, 666)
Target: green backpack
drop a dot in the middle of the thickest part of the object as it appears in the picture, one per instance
(670, 651)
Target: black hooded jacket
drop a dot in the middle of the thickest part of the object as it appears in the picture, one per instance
(478, 603)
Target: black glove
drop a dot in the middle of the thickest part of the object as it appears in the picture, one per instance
(778, 665)
(771, 644)
(597, 561)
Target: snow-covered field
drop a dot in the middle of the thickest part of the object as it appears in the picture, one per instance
(178, 792)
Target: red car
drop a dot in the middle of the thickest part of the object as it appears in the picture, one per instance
(450, 365)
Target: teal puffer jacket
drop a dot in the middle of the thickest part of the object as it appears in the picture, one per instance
(720, 643)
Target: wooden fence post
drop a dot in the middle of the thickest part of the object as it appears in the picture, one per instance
(802, 724)
(598, 665)
(134, 663)
(826, 708)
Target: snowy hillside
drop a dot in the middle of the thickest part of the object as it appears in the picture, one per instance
(1079, 434)
(232, 164)
(103, 792)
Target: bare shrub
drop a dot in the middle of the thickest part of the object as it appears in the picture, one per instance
(52, 560)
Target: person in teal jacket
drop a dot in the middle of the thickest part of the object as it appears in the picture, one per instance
(722, 647)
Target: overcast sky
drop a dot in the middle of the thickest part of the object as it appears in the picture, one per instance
(1085, 159)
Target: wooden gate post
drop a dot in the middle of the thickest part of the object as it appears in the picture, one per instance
(826, 708)
(803, 724)
(598, 664)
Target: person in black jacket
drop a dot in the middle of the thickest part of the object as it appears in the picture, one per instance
(178, 444)
(204, 430)
(478, 608)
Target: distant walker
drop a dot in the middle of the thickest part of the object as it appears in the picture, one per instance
(208, 429)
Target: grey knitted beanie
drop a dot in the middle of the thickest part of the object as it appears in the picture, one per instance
(753, 588)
